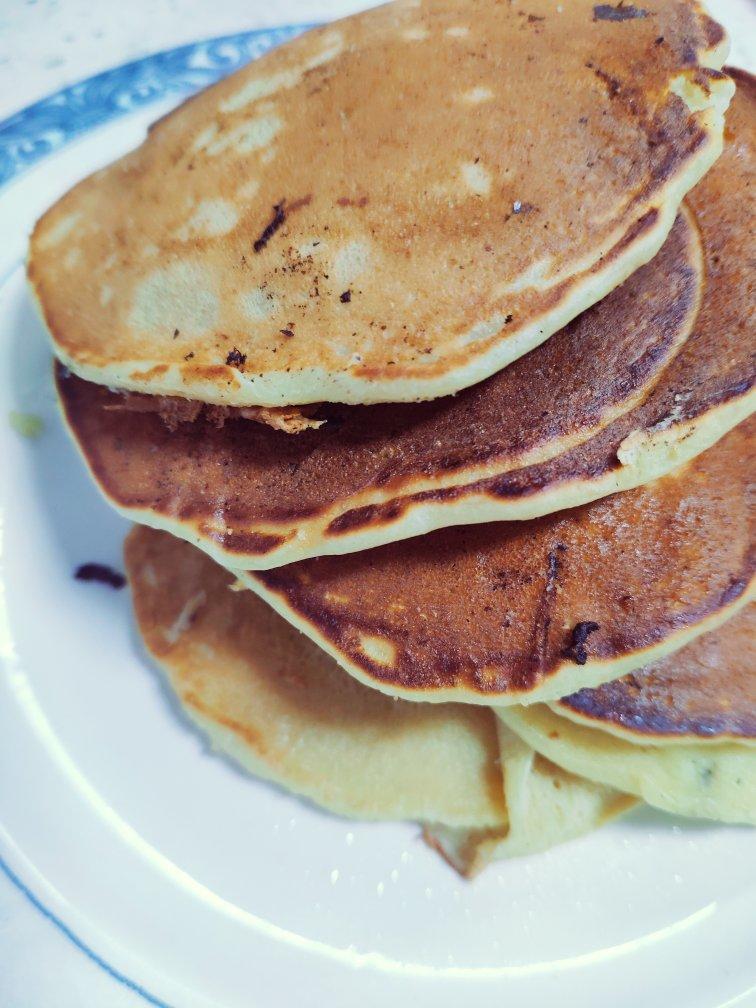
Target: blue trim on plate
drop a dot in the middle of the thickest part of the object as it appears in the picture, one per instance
(48, 125)
(88, 952)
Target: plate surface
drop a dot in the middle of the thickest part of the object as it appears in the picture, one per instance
(202, 886)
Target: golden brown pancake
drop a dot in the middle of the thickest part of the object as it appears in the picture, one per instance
(256, 497)
(281, 708)
(373, 475)
(388, 209)
(515, 612)
(704, 693)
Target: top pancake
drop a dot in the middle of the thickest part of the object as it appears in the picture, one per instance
(388, 209)
(707, 691)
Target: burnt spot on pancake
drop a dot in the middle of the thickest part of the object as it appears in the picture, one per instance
(235, 358)
(101, 573)
(622, 12)
(346, 297)
(276, 221)
(705, 691)
(576, 649)
(613, 85)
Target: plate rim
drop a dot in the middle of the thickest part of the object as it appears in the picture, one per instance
(45, 126)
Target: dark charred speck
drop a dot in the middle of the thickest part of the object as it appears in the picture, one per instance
(279, 216)
(286, 332)
(346, 297)
(576, 650)
(189, 355)
(622, 12)
(235, 358)
(100, 573)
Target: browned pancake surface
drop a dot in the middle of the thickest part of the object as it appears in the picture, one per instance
(706, 690)
(388, 209)
(599, 365)
(495, 611)
(255, 496)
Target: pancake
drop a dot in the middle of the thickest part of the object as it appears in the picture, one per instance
(546, 806)
(374, 212)
(283, 709)
(279, 707)
(514, 612)
(288, 492)
(704, 693)
(256, 499)
(694, 779)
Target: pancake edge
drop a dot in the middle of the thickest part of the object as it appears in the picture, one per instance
(640, 781)
(567, 677)
(639, 737)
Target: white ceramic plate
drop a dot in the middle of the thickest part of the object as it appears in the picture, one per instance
(199, 886)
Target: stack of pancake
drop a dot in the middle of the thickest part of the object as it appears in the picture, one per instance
(421, 351)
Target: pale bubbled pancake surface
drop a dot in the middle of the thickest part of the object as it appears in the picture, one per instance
(375, 212)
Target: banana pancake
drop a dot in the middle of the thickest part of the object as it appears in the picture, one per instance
(704, 693)
(256, 499)
(374, 212)
(514, 612)
(277, 705)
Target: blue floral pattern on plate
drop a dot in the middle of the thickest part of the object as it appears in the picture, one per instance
(44, 127)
